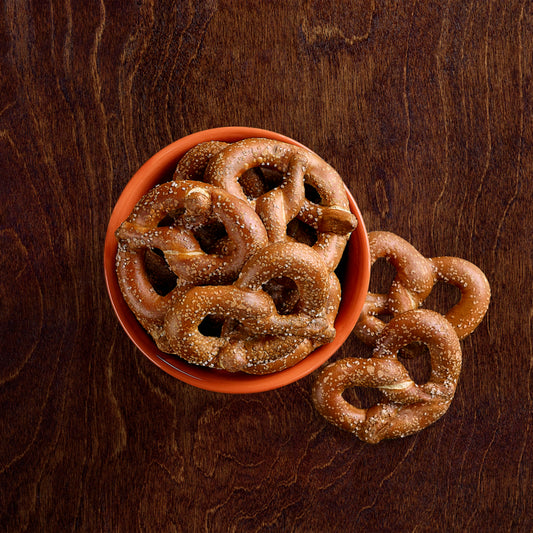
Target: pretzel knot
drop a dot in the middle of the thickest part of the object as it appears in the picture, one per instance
(168, 220)
(406, 407)
(414, 281)
(279, 203)
(253, 331)
(165, 218)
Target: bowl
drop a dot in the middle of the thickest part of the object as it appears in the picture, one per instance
(354, 286)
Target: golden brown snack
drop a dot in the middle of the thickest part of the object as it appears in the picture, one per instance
(406, 407)
(329, 213)
(259, 334)
(414, 281)
(187, 204)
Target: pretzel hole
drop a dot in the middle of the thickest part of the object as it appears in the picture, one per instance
(382, 275)
(272, 178)
(170, 218)
(163, 280)
(302, 232)
(312, 194)
(443, 297)
(284, 293)
(211, 326)
(362, 397)
(210, 237)
(259, 180)
(166, 221)
(384, 317)
(416, 359)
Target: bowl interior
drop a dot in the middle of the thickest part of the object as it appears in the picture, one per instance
(356, 264)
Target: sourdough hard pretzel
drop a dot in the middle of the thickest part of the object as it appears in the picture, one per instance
(182, 251)
(415, 279)
(182, 322)
(276, 207)
(141, 233)
(192, 165)
(406, 407)
(264, 336)
(331, 217)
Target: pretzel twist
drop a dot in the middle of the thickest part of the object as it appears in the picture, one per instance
(263, 332)
(288, 356)
(275, 353)
(331, 218)
(414, 281)
(406, 407)
(181, 249)
(190, 203)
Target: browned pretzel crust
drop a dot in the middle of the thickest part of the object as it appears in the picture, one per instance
(328, 215)
(262, 331)
(190, 204)
(406, 407)
(193, 164)
(415, 278)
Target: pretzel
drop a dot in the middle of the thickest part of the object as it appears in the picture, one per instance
(181, 249)
(406, 407)
(288, 352)
(276, 207)
(146, 303)
(415, 279)
(331, 218)
(305, 267)
(192, 165)
(183, 255)
(254, 310)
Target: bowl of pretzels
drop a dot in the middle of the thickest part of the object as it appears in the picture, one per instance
(237, 260)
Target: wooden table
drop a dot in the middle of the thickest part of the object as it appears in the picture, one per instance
(425, 109)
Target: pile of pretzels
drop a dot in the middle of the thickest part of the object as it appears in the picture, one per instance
(405, 406)
(231, 264)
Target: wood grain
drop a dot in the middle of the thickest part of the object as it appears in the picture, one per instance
(425, 109)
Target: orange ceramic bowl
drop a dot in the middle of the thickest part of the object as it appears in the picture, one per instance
(354, 283)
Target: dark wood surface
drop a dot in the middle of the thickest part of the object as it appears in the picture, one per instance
(425, 109)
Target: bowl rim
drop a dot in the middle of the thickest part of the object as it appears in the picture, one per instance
(151, 173)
